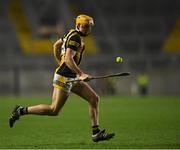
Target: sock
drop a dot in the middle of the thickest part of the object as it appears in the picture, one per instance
(23, 111)
(95, 129)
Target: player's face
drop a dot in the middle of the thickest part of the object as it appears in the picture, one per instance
(85, 29)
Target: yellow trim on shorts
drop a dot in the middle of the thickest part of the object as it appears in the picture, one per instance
(60, 83)
(60, 88)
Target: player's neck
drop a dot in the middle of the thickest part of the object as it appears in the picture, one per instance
(80, 33)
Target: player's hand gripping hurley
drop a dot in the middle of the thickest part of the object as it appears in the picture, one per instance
(100, 77)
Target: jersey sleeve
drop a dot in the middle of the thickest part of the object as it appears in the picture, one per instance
(74, 42)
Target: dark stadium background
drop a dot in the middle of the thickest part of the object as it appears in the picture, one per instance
(144, 32)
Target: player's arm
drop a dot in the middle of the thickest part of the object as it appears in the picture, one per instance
(72, 65)
(57, 53)
(70, 53)
(72, 45)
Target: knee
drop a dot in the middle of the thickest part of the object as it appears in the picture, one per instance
(54, 111)
(95, 100)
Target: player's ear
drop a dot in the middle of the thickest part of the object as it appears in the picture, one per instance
(78, 26)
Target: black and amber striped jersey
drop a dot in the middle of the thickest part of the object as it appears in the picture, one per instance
(74, 41)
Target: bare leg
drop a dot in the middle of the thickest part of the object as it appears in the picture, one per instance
(59, 98)
(86, 92)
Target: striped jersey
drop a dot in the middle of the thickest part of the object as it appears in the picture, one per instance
(74, 41)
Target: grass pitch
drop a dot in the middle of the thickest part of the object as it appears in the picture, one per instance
(150, 122)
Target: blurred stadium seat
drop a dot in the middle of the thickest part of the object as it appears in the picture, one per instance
(140, 31)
